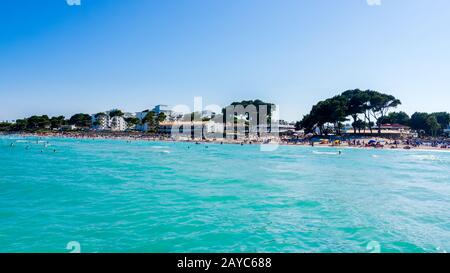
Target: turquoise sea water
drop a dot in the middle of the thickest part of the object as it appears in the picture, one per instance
(114, 196)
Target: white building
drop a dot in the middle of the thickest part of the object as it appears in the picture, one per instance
(161, 108)
(103, 122)
(68, 127)
(212, 127)
(129, 115)
(188, 128)
(285, 127)
(118, 124)
(100, 121)
(208, 114)
(158, 109)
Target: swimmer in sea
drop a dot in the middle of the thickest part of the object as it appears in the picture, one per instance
(340, 152)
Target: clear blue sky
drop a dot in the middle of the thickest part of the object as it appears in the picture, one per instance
(60, 59)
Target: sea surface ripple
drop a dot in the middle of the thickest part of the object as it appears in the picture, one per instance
(116, 196)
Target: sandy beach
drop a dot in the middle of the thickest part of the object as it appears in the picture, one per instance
(363, 143)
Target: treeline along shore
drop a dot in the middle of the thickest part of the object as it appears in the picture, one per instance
(357, 118)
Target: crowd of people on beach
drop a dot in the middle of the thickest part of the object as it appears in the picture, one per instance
(363, 142)
(377, 143)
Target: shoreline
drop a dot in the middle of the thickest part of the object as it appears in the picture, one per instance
(148, 138)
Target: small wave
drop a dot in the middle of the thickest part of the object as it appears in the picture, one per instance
(158, 147)
(425, 157)
(325, 153)
(22, 141)
(375, 156)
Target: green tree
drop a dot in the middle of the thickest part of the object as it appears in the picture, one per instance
(350, 103)
(116, 113)
(150, 120)
(81, 120)
(38, 122)
(161, 117)
(20, 125)
(259, 104)
(380, 104)
(356, 104)
(396, 118)
(132, 121)
(5, 126)
(331, 111)
(424, 122)
(98, 117)
(419, 122)
(57, 122)
(433, 125)
(101, 114)
(359, 125)
(443, 118)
